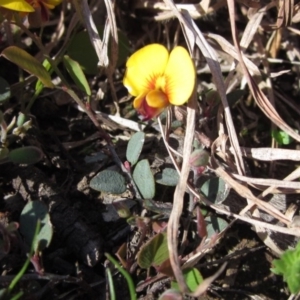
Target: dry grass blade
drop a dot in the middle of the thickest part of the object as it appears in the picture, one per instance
(251, 28)
(270, 154)
(173, 224)
(285, 13)
(267, 182)
(294, 175)
(195, 10)
(112, 29)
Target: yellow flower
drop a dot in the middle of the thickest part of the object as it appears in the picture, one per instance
(158, 78)
(17, 5)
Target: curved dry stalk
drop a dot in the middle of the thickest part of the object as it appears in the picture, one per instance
(173, 224)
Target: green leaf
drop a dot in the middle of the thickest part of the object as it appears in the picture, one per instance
(192, 277)
(214, 225)
(215, 190)
(154, 252)
(109, 181)
(168, 177)
(28, 63)
(81, 50)
(31, 213)
(289, 267)
(144, 179)
(39, 85)
(4, 90)
(77, 74)
(134, 147)
(281, 137)
(26, 155)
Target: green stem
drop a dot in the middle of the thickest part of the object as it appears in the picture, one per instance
(18, 296)
(26, 264)
(125, 274)
(110, 285)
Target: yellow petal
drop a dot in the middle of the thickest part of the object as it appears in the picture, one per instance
(180, 76)
(144, 109)
(51, 3)
(157, 99)
(17, 5)
(137, 102)
(143, 67)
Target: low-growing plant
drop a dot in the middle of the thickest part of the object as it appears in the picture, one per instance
(288, 266)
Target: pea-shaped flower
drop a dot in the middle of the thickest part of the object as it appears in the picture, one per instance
(158, 78)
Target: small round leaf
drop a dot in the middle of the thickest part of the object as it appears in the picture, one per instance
(32, 212)
(26, 155)
(144, 179)
(109, 181)
(215, 190)
(215, 225)
(154, 252)
(168, 177)
(134, 147)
